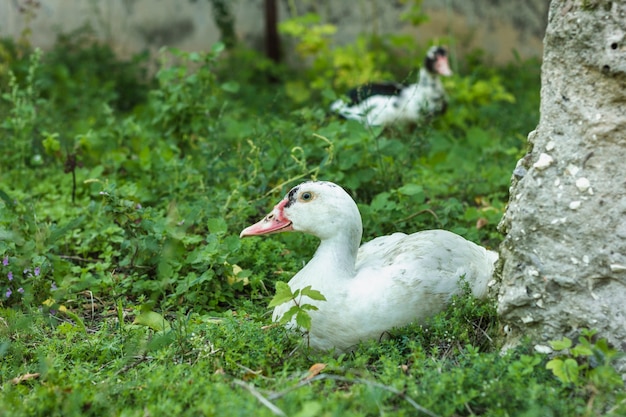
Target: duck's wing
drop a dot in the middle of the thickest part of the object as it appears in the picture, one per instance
(435, 259)
(363, 92)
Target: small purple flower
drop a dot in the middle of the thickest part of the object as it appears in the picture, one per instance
(37, 271)
(53, 287)
(53, 312)
(20, 290)
(10, 275)
(5, 261)
(8, 293)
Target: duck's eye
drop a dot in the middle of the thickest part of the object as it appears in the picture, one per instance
(306, 196)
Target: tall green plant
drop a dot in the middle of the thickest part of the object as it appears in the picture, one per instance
(225, 21)
(19, 124)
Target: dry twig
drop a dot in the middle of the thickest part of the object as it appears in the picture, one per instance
(256, 394)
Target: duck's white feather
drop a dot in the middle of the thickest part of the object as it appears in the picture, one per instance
(388, 282)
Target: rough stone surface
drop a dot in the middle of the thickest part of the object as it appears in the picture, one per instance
(564, 255)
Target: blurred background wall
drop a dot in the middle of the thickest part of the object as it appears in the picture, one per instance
(498, 27)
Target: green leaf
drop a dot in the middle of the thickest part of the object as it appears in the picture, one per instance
(282, 295)
(50, 303)
(310, 409)
(581, 350)
(588, 333)
(77, 320)
(217, 226)
(381, 202)
(51, 143)
(606, 378)
(571, 368)
(565, 370)
(153, 320)
(218, 47)
(303, 319)
(411, 189)
(562, 344)
(312, 294)
(286, 318)
(7, 200)
(230, 87)
(310, 307)
(57, 232)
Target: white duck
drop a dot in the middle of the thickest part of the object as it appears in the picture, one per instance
(388, 282)
(383, 104)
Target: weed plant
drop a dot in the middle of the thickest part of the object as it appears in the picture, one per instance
(125, 290)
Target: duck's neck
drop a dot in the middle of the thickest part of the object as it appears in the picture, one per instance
(336, 256)
(428, 79)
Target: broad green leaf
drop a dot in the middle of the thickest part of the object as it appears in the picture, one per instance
(303, 319)
(603, 346)
(283, 294)
(217, 226)
(231, 243)
(153, 320)
(381, 202)
(556, 366)
(312, 294)
(218, 47)
(562, 344)
(411, 189)
(286, 318)
(571, 368)
(565, 370)
(581, 350)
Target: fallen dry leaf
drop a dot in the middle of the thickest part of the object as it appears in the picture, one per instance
(24, 377)
(481, 222)
(314, 370)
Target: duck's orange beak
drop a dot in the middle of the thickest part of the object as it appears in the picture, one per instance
(274, 222)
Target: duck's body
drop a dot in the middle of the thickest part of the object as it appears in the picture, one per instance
(388, 282)
(384, 104)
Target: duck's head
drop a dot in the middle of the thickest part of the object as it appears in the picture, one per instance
(436, 61)
(320, 208)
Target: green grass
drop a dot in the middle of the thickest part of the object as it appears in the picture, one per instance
(123, 195)
(235, 365)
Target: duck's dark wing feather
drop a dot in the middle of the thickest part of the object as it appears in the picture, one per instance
(363, 92)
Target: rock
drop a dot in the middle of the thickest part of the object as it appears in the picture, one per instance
(565, 243)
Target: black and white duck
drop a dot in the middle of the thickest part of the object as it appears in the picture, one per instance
(384, 104)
